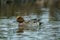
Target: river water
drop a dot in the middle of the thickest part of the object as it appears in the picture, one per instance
(50, 30)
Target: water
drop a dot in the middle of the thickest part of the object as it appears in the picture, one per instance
(49, 30)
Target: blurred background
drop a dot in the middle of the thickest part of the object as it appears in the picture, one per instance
(46, 11)
(26, 7)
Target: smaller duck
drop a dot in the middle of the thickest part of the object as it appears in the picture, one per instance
(20, 20)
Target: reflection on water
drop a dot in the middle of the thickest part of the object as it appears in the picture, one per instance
(48, 31)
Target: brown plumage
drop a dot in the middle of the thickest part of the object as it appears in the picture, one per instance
(20, 20)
